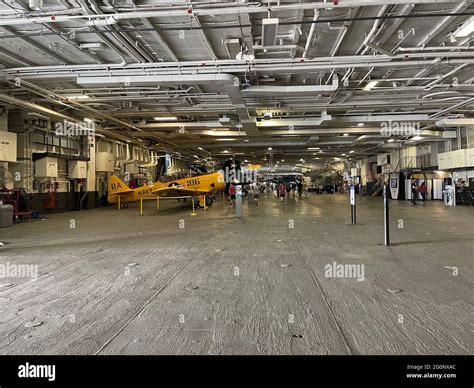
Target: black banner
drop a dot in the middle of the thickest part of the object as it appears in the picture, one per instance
(320, 371)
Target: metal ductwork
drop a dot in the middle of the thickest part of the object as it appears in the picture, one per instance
(295, 122)
(450, 123)
(153, 160)
(229, 83)
(291, 90)
(269, 32)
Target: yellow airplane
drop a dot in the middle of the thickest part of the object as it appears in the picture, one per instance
(198, 186)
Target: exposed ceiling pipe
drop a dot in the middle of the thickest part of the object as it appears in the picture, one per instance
(36, 108)
(378, 118)
(274, 68)
(372, 32)
(278, 47)
(339, 41)
(128, 157)
(229, 83)
(58, 99)
(431, 85)
(153, 162)
(434, 48)
(447, 123)
(309, 40)
(240, 8)
(451, 108)
(91, 14)
(232, 65)
(51, 113)
(103, 39)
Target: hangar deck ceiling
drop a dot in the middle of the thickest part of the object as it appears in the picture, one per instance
(294, 79)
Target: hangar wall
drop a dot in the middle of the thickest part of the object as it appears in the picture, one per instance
(46, 161)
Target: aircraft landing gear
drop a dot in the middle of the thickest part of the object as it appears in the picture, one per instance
(197, 202)
(125, 205)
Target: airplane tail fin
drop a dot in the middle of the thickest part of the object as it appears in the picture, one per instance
(117, 186)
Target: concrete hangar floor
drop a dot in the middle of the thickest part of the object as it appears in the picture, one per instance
(170, 283)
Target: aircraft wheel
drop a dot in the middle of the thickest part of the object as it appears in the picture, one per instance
(125, 205)
(209, 201)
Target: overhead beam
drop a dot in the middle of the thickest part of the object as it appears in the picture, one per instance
(241, 8)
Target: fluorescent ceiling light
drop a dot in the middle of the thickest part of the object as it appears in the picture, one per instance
(466, 29)
(165, 118)
(360, 124)
(346, 134)
(390, 140)
(200, 148)
(416, 138)
(226, 139)
(270, 148)
(77, 97)
(314, 148)
(351, 152)
(371, 85)
(225, 152)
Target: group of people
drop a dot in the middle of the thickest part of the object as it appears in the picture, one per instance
(415, 190)
(284, 190)
(252, 190)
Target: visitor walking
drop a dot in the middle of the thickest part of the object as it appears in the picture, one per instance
(232, 195)
(414, 192)
(282, 192)
(423, 190)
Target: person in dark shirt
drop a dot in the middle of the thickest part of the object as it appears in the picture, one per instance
(414, 192)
